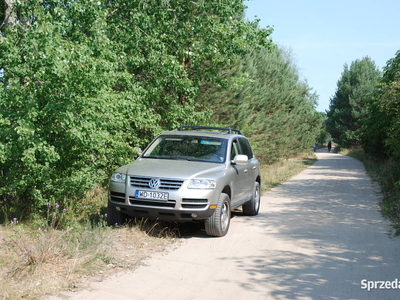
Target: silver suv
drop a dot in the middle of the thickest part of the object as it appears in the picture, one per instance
(193, 174)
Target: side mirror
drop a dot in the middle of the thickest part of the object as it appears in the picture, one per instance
(240, 159)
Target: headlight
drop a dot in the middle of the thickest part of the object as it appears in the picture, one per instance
(202, 184)
(118, 177)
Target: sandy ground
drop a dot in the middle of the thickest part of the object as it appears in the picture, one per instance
(318, 236)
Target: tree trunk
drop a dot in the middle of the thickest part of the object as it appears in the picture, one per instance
(9, 15)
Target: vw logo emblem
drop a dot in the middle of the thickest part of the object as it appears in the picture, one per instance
(154, 183)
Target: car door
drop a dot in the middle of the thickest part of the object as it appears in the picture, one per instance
(239, 176)
(251, 167)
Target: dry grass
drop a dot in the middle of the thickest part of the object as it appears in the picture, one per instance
(277, 173)
(39, 262)
(34, 263)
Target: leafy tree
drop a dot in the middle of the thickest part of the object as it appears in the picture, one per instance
(382, 132)
(84, 83)
(348, 107)
(63, 125)
(381, 135)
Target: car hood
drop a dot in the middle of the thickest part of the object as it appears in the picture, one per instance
(166, 168)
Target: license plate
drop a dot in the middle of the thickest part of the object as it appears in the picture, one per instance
(151, 195)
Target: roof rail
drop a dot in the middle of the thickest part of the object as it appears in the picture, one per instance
(195, 127)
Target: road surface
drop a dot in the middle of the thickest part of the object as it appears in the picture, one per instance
(320, 235)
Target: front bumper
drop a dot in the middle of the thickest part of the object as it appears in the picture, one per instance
(184, 205)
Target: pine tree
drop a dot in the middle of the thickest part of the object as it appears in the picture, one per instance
(348, 107)
(265, 97)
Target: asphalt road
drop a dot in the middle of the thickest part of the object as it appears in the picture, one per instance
(320, 235)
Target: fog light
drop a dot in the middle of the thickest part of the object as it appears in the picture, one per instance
(194, 215)
(117, 208)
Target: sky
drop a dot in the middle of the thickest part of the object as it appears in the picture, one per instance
(324, 35)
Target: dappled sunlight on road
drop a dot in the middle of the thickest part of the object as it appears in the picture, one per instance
(325, 235)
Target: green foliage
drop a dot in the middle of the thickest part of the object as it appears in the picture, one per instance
(323, 136)
(63, 123)
(84, 84)
(264, 96)
(375, 131)
(381, 137)
(382, 132)
(348, 107)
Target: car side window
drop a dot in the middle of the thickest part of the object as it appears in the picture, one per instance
(246, 148)
(234, 149)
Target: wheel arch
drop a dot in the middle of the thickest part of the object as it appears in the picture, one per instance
(258, 179)
(227, 190)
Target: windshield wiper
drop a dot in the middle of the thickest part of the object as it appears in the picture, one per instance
(167, 157)
(180, 158)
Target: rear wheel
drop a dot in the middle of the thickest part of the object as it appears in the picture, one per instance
(218, 223)
(252, 207)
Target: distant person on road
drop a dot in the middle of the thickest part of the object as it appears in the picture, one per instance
(315, 146)
(329, 146)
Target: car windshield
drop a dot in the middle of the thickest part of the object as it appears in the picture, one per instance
(193, 148)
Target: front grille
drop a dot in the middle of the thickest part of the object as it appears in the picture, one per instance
(117, 197)
(194, 203)
(165, 184)
(152, 203)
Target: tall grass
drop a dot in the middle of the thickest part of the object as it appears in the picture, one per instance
(36, 262)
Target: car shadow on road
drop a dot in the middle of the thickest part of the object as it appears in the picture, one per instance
(190, 230)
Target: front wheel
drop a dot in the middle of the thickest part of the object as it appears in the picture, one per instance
(114, 217)
(252, 207)
(218, 223)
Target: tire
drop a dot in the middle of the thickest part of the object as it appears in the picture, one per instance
(252, 207)
(218, 223)
(114, 217)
